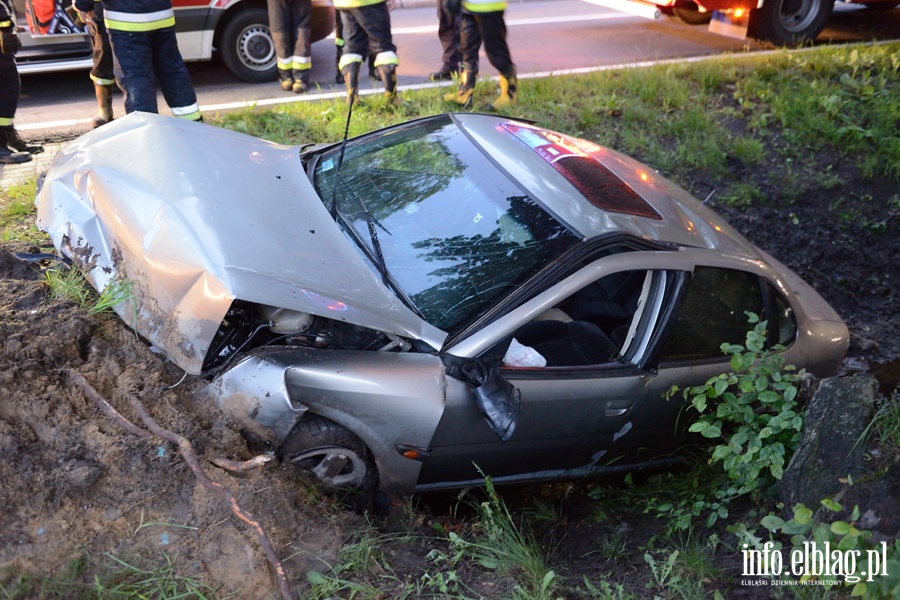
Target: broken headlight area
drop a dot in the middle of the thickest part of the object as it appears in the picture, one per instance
(247, 326)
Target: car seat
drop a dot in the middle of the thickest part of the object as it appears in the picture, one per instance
(576, 343)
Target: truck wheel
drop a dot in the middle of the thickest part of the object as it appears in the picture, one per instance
(247, 47)
(790, 22)
(689, 13)
(335, 457)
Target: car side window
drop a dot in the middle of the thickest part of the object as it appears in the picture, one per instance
(589, 327)
(713, 313)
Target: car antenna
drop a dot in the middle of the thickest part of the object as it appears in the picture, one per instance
(341, 158)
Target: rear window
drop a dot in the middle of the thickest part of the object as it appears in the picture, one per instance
(600, 186)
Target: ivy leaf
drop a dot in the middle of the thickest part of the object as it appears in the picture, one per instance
(831, 505)
(840, 527)
(802, 514)
(772, 522)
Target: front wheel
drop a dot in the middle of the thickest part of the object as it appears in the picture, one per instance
(247, 47)
(335, 457)
(790, 22)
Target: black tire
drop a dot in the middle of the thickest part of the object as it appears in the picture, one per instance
(790, 22)
(247, 47)
(332, 455)
(688, 12)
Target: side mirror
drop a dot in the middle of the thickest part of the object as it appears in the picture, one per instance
(497, 399)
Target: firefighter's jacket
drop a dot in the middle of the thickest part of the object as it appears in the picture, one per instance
(6, 13)
(133, 16)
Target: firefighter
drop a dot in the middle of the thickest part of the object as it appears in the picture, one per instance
(367, 25)
(103, 72)
(368, 58)
(142, 33)
(482, 20)
(448, 12)
(13, 150)
(289, 22)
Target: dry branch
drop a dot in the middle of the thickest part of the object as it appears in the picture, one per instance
(190, 457)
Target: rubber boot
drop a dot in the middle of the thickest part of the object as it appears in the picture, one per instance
(14, 142)
(351, 80)
(287, 80)
(463, 95)
(507, 98)
(104, 105)
(300, 81)
(389, 78)
(8, 157)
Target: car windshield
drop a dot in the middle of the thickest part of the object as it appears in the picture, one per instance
(456, 233)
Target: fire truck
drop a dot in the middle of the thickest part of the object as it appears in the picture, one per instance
(53, 39)
(781, 22)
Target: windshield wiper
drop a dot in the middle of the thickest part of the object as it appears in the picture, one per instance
(376, 245)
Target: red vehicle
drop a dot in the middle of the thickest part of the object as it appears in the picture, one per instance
(781, 22)
(54, 40)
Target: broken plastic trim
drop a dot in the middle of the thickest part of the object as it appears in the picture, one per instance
(497, 399)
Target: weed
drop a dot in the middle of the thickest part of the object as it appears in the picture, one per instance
(506, 546)
(69, 283)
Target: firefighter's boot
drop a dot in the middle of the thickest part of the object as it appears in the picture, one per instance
(104, 105)
(301, 81)
(389, 78)
(508, 87)
(287, 79)
(9, 137)
(351, 80)
(9, 157)
(463, 95)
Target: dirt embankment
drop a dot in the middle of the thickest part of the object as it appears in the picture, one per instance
(74, 482)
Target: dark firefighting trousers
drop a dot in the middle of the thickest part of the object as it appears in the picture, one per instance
(10, 88)
(157, 48)
(489, 28)
(103, 72)
(368, 29)
(290, 24)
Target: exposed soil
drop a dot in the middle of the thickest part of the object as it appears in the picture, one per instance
(76, 484)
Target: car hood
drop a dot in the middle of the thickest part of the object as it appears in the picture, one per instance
(195, 217)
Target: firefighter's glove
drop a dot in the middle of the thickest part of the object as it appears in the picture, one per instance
(9, 41)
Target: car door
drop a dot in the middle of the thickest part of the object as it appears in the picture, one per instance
(577, 411)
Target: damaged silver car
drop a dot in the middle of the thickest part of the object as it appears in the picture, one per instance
(454, 291)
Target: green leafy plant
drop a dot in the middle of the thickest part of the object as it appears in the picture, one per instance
(752, 412)
(753, 415)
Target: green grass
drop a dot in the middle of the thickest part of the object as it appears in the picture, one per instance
(113, 578)
(785, 116)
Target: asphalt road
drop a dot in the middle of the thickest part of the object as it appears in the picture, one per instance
(544, 35)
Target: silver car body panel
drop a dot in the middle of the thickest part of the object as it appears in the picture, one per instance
(182, 240)
(386, 398)
(685, 221)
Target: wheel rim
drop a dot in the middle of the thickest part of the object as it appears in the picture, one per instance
(334, 466)
(256, 49)
(796, 15)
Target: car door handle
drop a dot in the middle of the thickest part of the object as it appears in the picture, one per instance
(617, 408)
